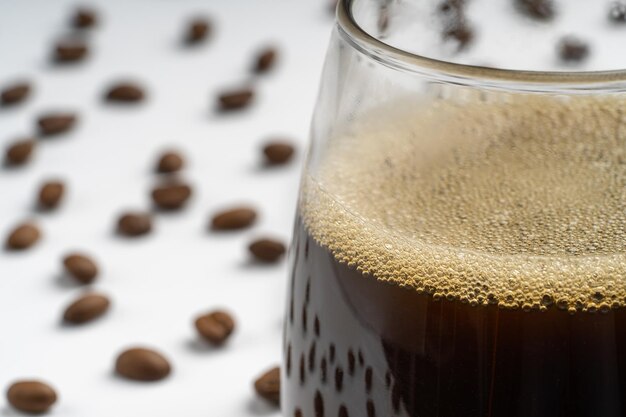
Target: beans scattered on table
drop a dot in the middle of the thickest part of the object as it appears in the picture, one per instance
(134, 224)
(81, 267)
(215, 327)
(15, 93)
(50, 194)
(31, 396)
(23, 236)
(267, 250)
(19, 152)
(56, 123)
(86, 308)
(142, 364)
(267, 385)
(235, 218)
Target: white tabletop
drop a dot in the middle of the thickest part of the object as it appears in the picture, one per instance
(157, 284)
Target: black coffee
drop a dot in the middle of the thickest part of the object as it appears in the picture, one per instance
(473, 268)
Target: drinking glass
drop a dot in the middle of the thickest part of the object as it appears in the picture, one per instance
(460, 238)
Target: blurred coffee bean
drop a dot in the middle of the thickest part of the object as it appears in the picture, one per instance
(267, 250)
(171, 196)
(537, 9)
(23, 236)
(572, 49)
(234, 219)
(265, 60)
(134, 224)
(19, 152)
(215, 327)
(50, 194)
(617, 12)
(81, 267)
(278, 152)
(86, 308)
(55, 123)
(198, 30)
(170, 162)
(70, 50)
(235, 99)
(267, 386)
(141, 364)
(84, 18)
(15, 93)
(31, 396)
(125, 92)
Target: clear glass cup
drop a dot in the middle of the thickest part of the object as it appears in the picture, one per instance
(460, 241)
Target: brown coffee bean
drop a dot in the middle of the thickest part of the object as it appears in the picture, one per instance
(134, 224)
(197, 31)
(23, 237)
(234, 219)
(267, 250)
(19, 151)
(461, 32)
(50, 194)
(215, 327)
(31, 396)
(86, 308)
(265, 60)
(537, 9)
(267, 386)
(141, 364)
(572, 49)
(278, 152)
(235, 99)
(170, 162)
(125, 92)
(171, 196)
(70, 50)
(15, 93)
(84, 18)
(81, 267)
(55, 123)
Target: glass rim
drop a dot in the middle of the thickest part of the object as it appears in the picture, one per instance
(472, 75)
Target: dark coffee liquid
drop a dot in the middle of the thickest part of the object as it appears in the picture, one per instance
(356, 346)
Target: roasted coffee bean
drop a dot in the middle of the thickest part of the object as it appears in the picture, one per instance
(81, 267)
(267, 250)
(537, 9)
(265, 60)
(15, 93)
(234, 219)
(141, 364)
(267, 386)
(198, 30)
(171, 196)
(134, 224)
(461, 32)
(215, 327)
(23, 237)
(71, 50)
(125, 92)
(86, 308)
(84, 18)
(278, 152)
(572, 49)
(617, 12)
(170, 162)
(55, 123)
(50, 194)
(31, 396)
(235, 99)
(19, 151)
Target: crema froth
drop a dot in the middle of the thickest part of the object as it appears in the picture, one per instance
(520, 202)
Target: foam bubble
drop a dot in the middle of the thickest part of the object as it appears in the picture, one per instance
(520, 202)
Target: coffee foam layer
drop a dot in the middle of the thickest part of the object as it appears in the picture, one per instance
(520, 203)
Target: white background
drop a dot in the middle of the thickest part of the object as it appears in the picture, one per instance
(157, 284)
